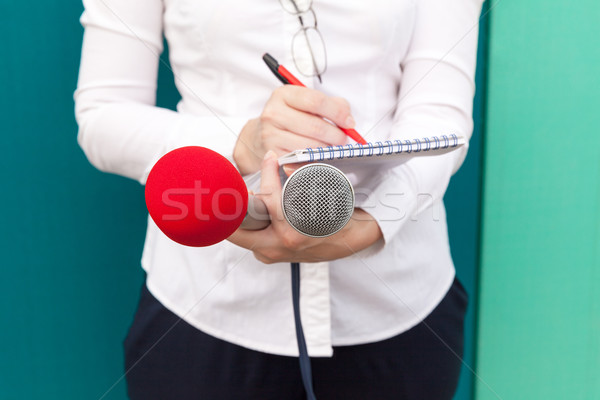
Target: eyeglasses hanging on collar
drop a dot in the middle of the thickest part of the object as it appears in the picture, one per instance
(308, 47)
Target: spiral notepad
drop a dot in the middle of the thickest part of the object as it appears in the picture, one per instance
(387, 150)
(349, 156)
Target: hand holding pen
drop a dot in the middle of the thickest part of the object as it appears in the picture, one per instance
(287, 78)
(294, 117)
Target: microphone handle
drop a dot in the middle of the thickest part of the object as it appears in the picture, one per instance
(257, 217)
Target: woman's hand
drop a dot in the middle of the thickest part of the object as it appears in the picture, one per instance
(292, 119)
(279, 242)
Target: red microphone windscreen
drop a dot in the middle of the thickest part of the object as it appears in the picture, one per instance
(196, 196)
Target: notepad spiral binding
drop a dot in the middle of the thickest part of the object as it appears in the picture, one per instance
(382, 148)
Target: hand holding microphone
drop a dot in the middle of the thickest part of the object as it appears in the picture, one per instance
(197, 198)
(280, 242)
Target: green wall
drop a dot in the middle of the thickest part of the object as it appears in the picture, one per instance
(71, 237)
(539, 316)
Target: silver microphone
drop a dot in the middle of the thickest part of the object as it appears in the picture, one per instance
(317, 201)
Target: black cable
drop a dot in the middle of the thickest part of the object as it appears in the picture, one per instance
(305, 369)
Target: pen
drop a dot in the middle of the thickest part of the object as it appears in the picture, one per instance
(287, 78)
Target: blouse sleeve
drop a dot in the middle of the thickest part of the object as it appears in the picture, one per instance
(436, 98)
(120, 128)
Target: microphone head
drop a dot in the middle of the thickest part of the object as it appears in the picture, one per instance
(196, 196)
(318, 200)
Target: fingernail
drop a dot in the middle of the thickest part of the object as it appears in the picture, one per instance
(288, 170)
(350, 122)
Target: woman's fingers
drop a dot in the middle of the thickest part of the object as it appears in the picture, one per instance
(304, 124)
(283, 142)
(290, 168)
(270, 186)
(312, 101)
(335, 109)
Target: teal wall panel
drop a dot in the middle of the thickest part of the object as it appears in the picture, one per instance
(70, 237)
(539, 330)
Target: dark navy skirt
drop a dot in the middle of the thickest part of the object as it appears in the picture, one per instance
(166, 358)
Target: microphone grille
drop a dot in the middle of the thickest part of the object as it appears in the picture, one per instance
(318, 200)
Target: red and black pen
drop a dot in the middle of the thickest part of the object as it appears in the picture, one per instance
(287, 78)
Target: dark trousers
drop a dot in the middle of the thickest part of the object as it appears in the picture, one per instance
(166, 358)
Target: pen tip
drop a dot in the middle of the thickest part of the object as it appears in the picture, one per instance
(271, 62)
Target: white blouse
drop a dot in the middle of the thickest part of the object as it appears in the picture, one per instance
(407, 69)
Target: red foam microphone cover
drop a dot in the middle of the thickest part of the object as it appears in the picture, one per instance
(196, 196)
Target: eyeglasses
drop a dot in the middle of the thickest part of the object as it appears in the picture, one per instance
(308, 47)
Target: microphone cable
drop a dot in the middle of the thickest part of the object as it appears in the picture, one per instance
(305, 369)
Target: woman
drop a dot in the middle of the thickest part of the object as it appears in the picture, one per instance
(381, 309)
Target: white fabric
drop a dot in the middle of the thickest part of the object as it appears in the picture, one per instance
(406, 67)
